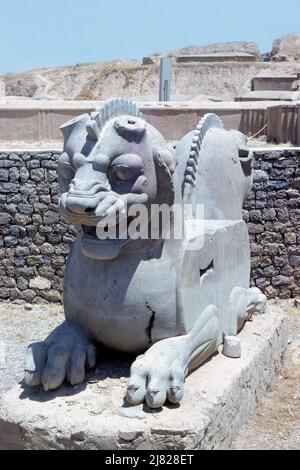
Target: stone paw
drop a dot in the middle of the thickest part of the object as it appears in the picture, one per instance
(257, 301)
(156, 377)
(65, 354)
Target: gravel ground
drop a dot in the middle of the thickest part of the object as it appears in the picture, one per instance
(275, 424)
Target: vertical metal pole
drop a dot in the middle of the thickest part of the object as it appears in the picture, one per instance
(165, 79)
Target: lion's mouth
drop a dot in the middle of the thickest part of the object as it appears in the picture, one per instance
(120, 230)
(90, 231)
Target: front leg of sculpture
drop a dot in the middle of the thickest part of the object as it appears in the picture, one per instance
(65, 354)
(244, 303)
(159, 374)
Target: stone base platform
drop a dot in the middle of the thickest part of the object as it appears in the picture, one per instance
(218, 399)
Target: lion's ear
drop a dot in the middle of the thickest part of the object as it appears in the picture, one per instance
(169, 156)
(165, 185)
(65, 172)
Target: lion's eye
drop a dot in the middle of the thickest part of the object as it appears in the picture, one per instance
(125, 173)
(66, 171)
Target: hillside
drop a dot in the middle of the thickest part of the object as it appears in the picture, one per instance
(128, 78)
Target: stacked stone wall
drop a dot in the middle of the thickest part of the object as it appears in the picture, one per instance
(272, 213)
(34, 240)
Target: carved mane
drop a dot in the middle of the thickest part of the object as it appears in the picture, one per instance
(208, 121)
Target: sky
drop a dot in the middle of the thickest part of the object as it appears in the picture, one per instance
(48, 33)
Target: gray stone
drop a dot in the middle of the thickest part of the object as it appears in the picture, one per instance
(282, 280)
(37, 175)
(20, 262)
(14, 175)
(255, 228)
(260, 176)
(5, 219)
(296, 183)
(269, 214)
(22, 219)
(52, 295)
(232, 347)
(50, 217)
(22, 283)
(219, 397)
(4, 175)
(40, 283)
(113, 291)
(293, 193)
(26, 209)
(47, 249)
(277, 185)
(24, 175)
(27, 295)
(10, 241)
(7, 282)
(290, 238)
(262, 283)
(283, 214)
(8, 188)
(295, 261)
(32, 164)
(255, 216)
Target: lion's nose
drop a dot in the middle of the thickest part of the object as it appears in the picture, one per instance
(81, 205)
(88, 188)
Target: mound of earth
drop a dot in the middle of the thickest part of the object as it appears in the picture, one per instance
(219, 48)
(286, 48)
(128, 78)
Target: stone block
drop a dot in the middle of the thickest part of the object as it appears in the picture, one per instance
(218, 399)
(40, 283)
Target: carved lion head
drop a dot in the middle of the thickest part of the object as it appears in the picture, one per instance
(112, 160)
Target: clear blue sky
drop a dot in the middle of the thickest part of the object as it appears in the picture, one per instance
(43, 33)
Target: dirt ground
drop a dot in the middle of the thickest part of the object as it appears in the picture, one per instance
(275, 424)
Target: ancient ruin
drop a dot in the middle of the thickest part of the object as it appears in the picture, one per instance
(167, 299)
(149, 251)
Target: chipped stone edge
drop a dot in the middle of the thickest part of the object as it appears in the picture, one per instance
(217, 425)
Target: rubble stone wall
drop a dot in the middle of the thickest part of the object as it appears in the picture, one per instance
(272, 212)
(34, 241)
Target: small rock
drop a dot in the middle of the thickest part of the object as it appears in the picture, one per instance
(232, 347)
(131, 412)
(40, 283)
(297, 303)
(128, 435)
(28, 307)
(3, 356)
(5, 219)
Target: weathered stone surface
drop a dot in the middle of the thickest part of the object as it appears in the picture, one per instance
(40, 283)
(270, 231)
(5, 219)
(120, 310)
(218, 399)
(286, 48)
(232, 347)
(218, 48)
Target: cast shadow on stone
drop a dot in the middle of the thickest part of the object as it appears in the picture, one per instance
(110, 365)
(171, 406)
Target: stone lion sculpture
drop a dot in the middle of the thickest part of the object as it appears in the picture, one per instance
(173, 301)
